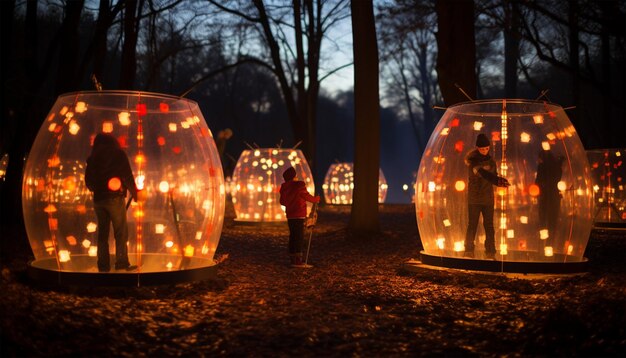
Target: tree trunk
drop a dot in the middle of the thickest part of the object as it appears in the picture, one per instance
(456, 59)
(511, 47)
(364, 215)
(574, 62)
(129, 49)
(67, 76)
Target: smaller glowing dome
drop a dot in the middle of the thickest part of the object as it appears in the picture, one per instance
(256, 181)
(339, 183)
(608, 175)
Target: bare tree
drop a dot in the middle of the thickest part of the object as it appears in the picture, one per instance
(292, 36)
(364, 214)
(407, 42)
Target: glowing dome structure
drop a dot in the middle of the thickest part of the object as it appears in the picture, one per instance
(608, 175)
(542, 220)
(175, 227)
(339, 183)
(256, 181)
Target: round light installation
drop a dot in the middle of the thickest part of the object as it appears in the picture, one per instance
(608, 175)
(543, 219)
(339, 184)
(256, 181)
(173, 233)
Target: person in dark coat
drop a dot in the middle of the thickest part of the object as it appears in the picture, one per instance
(108, 175)
(482, 176)
(549, 172)
(293, 196)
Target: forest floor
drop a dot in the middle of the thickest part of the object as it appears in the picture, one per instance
(355, 301)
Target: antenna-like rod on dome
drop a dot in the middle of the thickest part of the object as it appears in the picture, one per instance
(96, 84)
(542, 94)
(256, 145)
(464, 93)
(297, 144)
(439, 107)
(248, 144)
(280, 144)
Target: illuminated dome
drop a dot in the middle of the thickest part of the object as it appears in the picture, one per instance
(521, 134)
(339, 183)
(256, 181)
(173, 232)
(608, 175)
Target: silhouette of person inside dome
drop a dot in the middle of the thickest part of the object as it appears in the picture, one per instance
(549, 172)
(482, 176)
(293, 196)
(108, 175)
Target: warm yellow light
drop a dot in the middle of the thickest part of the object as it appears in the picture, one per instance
(618, 154)
(198, 235)
(478, 125)
(169, 244)
(504, 249)
(545, 145)
(551, 136)
(523, 219)
(172, 127)
(445, 131)
(86, 243)
(159, 228)
(543, 234)
(440, 242)
(257, 153)
(510, 234)
(404, 187)
(459, 246)
(525, 137)
(93, 251)
(169, 265)
(164, 186)
(64, 256)
(139, 181)
(459, 185)
(189, 250)
(91, 227)
(431, 186)
(80, 107)
(124, 118)
(52, 127)
(140, 159)
(74, 128)
(561, 185)
(538, 118)
(50, 209)
(447, 223)
(570, 249)
(548, 251)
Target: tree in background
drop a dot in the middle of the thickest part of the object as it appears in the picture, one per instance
(364, 214)
(290, 36)
(407, 43)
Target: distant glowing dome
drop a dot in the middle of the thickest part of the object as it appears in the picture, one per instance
(608, 175)
(256, 181)
(339, 184)
(521, 134)
(168, 144)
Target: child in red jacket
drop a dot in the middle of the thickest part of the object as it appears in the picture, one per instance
(293, 196)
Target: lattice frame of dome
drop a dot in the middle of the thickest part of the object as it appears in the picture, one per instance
(256, 181)
(520, 131)
(173, 233)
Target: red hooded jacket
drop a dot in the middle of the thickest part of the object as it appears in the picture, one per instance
(293, 196)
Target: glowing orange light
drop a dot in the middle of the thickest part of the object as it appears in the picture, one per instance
(54, 161)
(69, 183)
(495, 136)
(114, 184)
(50, 209)
(81, 209)
(164, 187)
(533, 190)
(139, 159)
(164, 107)
(107, 127)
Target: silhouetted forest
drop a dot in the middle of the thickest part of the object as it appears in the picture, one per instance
(260, 67)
